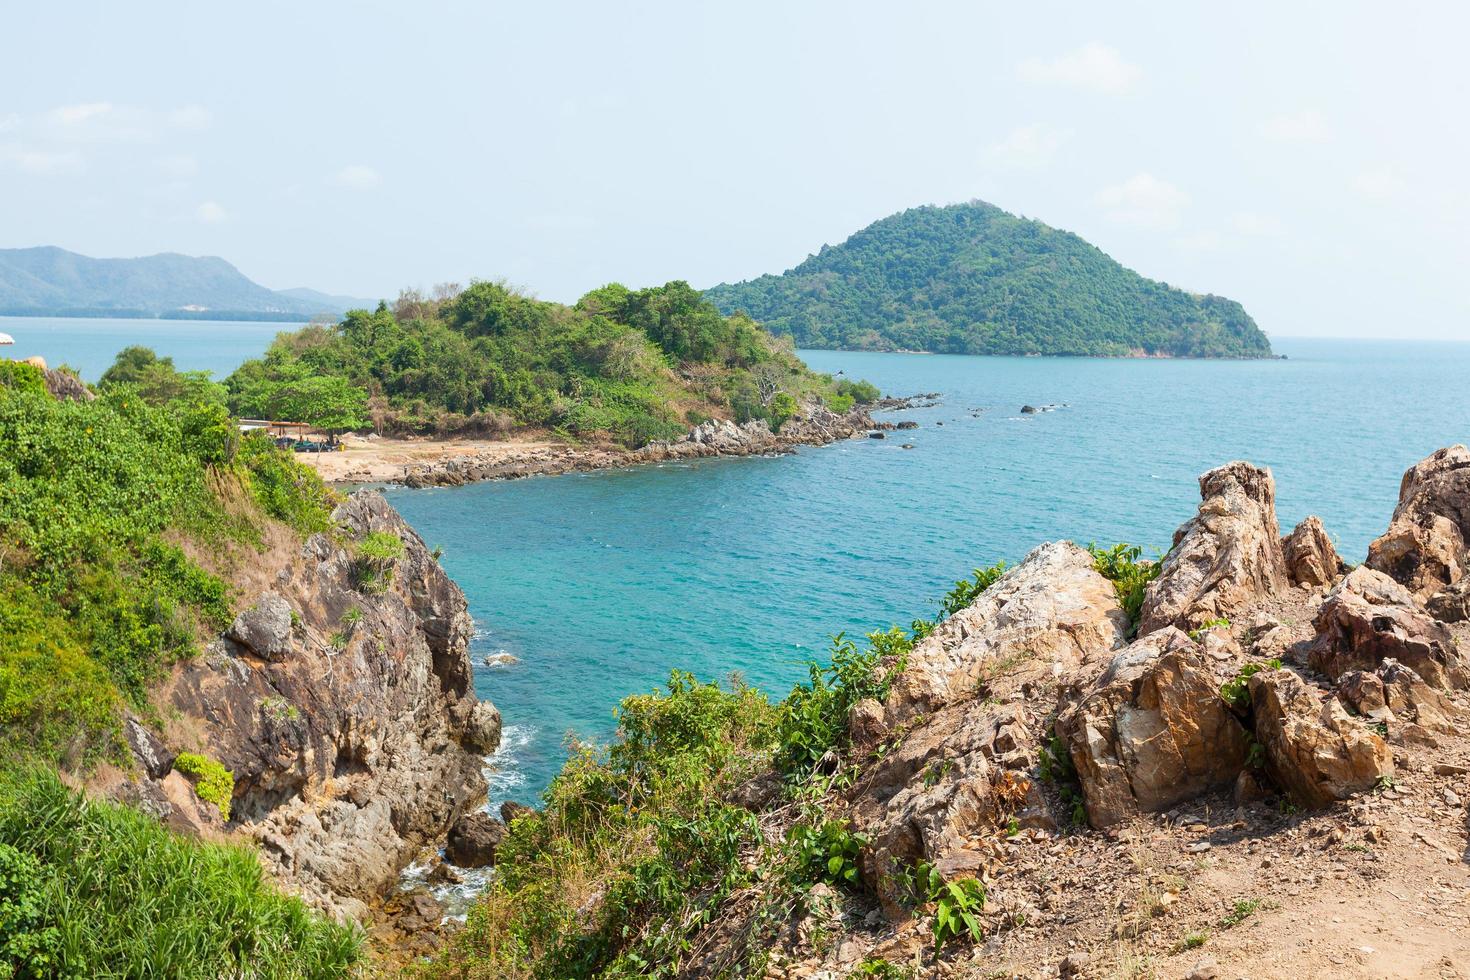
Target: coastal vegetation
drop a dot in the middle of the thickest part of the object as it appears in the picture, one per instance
(105, 507)
(629, 366)
(973, 279)
(639, 848)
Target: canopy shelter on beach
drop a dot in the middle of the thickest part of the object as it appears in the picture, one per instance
(5, 338)
(280, 429)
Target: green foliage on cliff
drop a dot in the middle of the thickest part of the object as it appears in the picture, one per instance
(640, 847)
(98, 502)
(629, 365)
(973, 279)
(94, 889)
(213, 783)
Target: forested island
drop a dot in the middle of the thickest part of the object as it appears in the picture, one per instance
(973, 279)
(629, 366)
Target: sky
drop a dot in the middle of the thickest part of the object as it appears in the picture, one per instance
(1307, 159)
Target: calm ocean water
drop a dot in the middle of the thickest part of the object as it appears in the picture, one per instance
(601, 583)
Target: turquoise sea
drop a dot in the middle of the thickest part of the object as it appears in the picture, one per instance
(599, 584)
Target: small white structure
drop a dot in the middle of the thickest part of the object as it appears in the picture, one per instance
(5, 338)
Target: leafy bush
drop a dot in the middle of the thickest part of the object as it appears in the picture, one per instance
(17, 376)
(1236, 692)
(107, 891)
(285, 489)
(28, 944)
(213, 783)
(377, 554)
(956, 911)
(827, 851)
(1130, 577)
(966, 591)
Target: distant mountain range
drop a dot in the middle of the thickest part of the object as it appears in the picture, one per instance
(973, 279)
(50, 281)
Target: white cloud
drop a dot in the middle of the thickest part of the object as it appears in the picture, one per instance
(1143, 200)
(358, 177)
(76, 115)
(190, 117)
(1257, 225)
(42, 162)
(1379, 185)
(1027, 148)
(1307, 126)
(211, 212)
(9, 121)
(1093, 66)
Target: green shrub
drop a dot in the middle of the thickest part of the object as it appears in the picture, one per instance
(16, 376)
(287, 490)
(377, 554)
(29, 946)
(956, 911)
(107, 891)
(1130, 577)
(827, 851)
(213, 783)
(1236, 692)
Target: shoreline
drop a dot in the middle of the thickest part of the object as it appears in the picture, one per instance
(419, 463)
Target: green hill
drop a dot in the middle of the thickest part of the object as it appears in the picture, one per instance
(50, 281)
(973, 279)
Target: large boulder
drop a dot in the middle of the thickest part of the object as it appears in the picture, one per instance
(1053, 607)
(482, 730)
(1368, 617)
(265, 628)
(1152, 730)
(1314, 750)
(1225, 558)
(473, 840)
(969, 705)
(1425, 544)
(1310, 558)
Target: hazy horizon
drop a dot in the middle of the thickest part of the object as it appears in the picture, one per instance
(1306, 165)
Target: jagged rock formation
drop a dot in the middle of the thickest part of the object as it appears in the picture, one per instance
(970, 704)
(1424, 547)
(1314, 750)
(1053, 607)
(1368, 617)
(1310, 558)
(1152, 730)
(1229, 554)
(344, 711)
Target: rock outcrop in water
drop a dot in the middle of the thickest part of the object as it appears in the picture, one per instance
(344, 709)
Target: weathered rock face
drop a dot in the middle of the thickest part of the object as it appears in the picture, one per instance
(1225, 557)
(972, 699)
(1451, 605)
(353, 733)
(1053, 607)
(1152, 730)
(1315, 751)
(65, 386)
(265, 628)
(1310, 558)
(1368, 617)
(473, 839)
(1425, 544)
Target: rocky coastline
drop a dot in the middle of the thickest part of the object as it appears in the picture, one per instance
(814, 426)
(341, 702)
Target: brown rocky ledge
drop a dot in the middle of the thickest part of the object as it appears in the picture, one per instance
(343, 707)
(428, 463)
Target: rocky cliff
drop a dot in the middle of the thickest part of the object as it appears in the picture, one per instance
(341, 701)
(1279, 730)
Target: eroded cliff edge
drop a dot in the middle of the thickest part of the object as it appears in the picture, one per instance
(341, 700)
